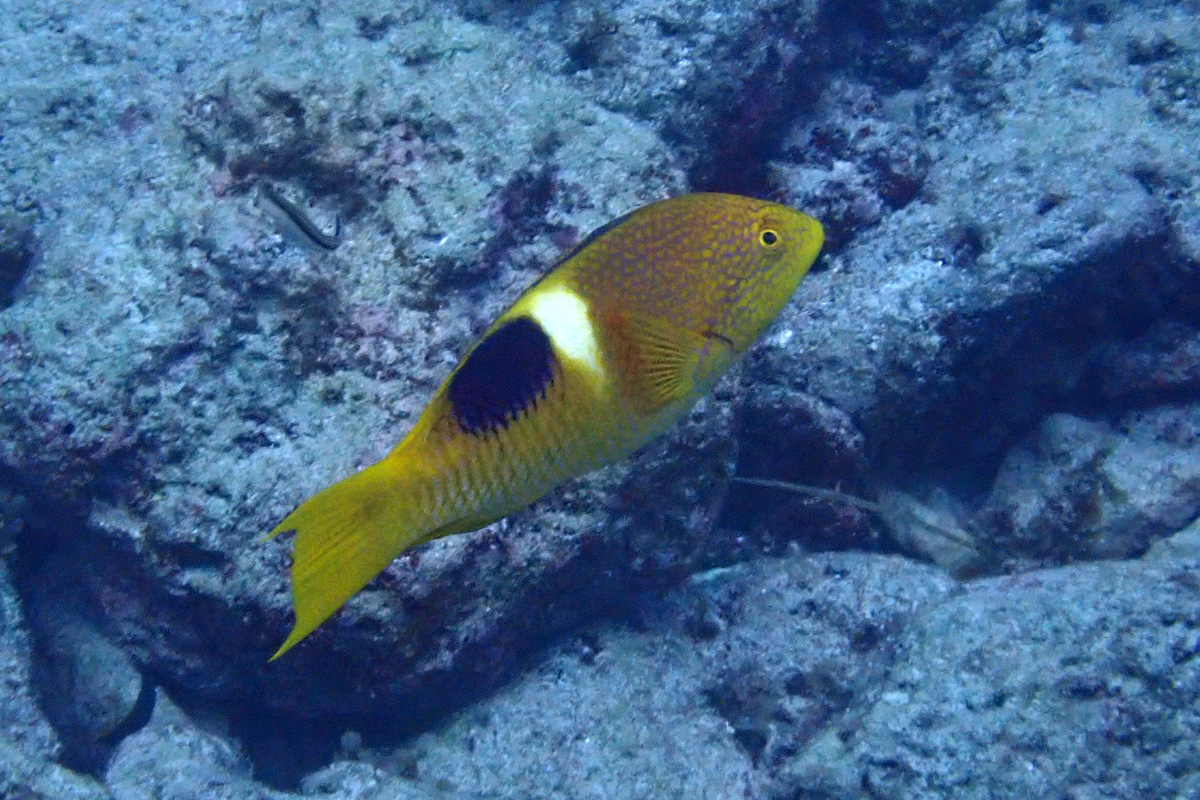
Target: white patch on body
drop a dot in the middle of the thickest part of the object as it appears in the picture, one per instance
(563, 315)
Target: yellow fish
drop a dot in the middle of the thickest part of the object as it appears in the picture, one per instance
(597, 358)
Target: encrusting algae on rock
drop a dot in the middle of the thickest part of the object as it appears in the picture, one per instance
(600, 356)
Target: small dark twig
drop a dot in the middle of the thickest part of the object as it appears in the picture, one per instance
(301, 220)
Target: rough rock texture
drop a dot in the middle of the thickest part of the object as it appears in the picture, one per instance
(28, 744)
(16, 253)
(173, 758)
(1075, 682)
(737, 669)
(854, 677)
(90, 690)
(23, 727)
(721, 81)
(1160, 366)
(1047, 230)
(1081, 490)
(26, 778)
(1182, 546)
(816, 676)
(853, 158)
(181, 756)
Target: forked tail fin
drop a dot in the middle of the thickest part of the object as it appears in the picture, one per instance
(345, 536)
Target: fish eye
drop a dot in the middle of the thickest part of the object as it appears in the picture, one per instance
(768, 238)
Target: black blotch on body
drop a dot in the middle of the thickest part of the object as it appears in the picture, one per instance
(506, 373)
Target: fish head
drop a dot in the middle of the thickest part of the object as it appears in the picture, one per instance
(760, 253)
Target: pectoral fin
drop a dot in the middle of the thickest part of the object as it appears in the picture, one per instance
(656, 359)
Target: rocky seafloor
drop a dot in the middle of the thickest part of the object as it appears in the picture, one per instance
(999, 351)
